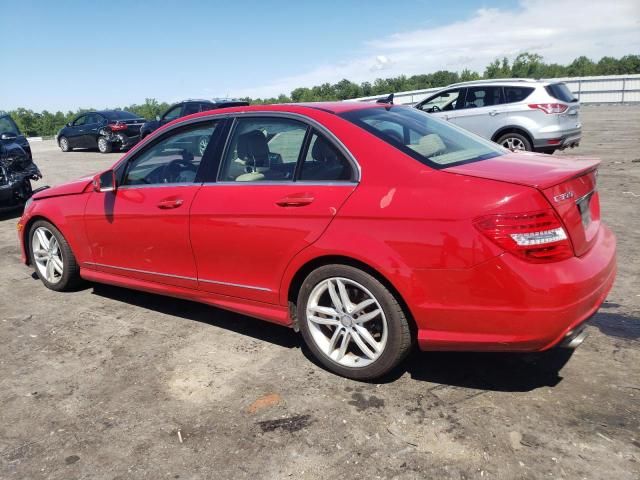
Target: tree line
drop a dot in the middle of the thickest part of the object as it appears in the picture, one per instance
(529, 65)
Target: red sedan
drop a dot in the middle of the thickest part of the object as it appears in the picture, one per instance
(368, 227)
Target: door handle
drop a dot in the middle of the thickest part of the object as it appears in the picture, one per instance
(294, 201)
(493, 113)
(168, 204)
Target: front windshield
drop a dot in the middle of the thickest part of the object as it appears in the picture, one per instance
(431, 141)
(7, 126)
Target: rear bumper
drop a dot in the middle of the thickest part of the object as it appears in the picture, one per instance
(559, 140)
(507, 304)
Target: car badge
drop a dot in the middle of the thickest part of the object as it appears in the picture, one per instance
(563, 196)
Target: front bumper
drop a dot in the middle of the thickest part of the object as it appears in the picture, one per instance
(507, 304)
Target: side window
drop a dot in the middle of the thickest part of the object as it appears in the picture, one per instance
(190, 108)
(324, 162)
(91, 119)
(7, 126)
(81, 120)
(442, 102)
(172, 114)
(263, 149)
(478, 97)
(174, 159)
(516, 94)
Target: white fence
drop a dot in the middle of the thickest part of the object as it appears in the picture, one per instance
(605, 89)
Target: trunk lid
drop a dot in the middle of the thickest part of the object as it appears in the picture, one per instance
(133, 126)
(568, 184)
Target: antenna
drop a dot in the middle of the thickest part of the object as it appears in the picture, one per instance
(388, 100)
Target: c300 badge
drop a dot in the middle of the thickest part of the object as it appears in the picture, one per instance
(563, 196)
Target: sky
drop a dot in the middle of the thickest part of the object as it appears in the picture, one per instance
(66, 54)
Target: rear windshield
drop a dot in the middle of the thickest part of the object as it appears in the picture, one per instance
(432, 141)
(120, 115)
(561, 92)
(8, 126)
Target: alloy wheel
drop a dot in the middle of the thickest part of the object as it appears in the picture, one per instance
(47, 255)
(102, 144)
(64, 144)
(346, 322)
(202, 145)
(513, 143)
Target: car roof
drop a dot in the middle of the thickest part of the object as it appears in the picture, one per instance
(500, 81)
(299, 108)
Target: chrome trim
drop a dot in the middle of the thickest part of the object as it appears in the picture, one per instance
(159, 185)
(141, 271)
(285, 183)
(587, 195)
(147, 272)
(229, 284)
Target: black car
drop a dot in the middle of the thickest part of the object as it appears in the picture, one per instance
(104, 130)
(187, 107)
(16, 165)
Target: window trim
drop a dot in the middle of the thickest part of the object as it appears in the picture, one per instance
(311, 125)
(122, 168)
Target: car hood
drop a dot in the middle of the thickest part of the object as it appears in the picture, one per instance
(69, 188)
(531, 169)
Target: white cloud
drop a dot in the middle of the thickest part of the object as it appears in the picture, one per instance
(560, 30)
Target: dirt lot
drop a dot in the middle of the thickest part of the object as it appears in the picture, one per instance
(104, 383)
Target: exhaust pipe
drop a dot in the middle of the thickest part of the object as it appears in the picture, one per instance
(574, 338)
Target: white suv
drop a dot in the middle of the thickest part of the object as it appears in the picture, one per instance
(519, 114)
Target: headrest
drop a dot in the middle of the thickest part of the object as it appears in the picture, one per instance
(253, 148)
(323, 151)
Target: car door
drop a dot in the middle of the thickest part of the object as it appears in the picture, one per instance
(141, 230)
(92, 124)
(75, 132)
(482, 110)
(277, 190)
(443, 104)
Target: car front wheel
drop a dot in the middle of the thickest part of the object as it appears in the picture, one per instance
(352, 323)
(54, 262)
(63, 142)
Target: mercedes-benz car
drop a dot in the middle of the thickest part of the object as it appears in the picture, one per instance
(369, 228)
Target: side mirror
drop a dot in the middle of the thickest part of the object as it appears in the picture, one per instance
(70, 124)
(105, 182)
(158, 118)
(8, 136)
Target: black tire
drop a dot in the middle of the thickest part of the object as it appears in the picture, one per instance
(104, 145)
(399, 338)
(70, 278)
(515, 138)
(63, 143)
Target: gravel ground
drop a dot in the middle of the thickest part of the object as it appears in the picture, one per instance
(106, 383)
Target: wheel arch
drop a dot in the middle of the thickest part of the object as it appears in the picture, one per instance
(305, 269)
(25, 234)
(512, 129)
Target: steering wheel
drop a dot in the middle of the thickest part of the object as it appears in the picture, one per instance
(435, 108)
(172, 170)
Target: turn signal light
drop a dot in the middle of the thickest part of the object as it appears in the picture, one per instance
(549, 107)
(535, 236)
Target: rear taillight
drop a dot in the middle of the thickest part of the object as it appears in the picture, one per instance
(117, 127)
(549, 107)
(535, 236)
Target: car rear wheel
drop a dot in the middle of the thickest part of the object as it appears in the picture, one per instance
(63, 142)
(352, 323)
(104, 145)
(515, 141)
(54, 262)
